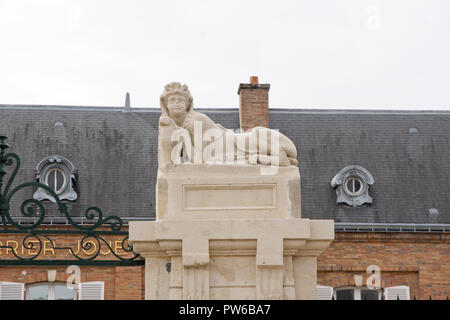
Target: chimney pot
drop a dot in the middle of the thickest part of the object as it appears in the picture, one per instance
(253, 80)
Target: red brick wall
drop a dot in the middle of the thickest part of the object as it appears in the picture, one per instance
(253, 105)
(419, 260)
(121, 283)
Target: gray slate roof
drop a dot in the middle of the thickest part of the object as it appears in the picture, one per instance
(115, 153)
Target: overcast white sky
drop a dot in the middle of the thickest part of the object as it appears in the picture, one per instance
(315, 54)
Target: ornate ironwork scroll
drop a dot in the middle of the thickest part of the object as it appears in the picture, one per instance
(94, 235)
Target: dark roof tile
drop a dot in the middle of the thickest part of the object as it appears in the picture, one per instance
(115, 153)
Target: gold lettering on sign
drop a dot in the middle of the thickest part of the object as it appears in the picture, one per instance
(78, 247)
(49, 249)
(87, 252)
(14, 247)
(108, 251)
(32, 242)
(31, 247)
(94, 248)
(117, 246)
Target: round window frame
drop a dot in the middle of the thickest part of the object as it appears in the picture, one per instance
(64, 174)
(361, 189)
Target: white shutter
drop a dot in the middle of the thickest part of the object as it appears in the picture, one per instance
(12, 291)
(391, 293)
(324, 293)
(92, 290)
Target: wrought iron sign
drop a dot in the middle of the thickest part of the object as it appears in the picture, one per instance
(93, 238)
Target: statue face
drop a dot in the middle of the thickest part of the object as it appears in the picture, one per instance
(177, 105)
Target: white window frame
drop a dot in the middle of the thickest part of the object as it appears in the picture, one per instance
(51, 289)
(352, 192)
(56, 169)
(356, 291)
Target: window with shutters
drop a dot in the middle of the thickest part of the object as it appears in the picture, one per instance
(60, 291)
(362, 293)
(50, 291)
(357, 293)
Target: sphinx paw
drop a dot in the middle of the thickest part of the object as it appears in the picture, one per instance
(166, 121)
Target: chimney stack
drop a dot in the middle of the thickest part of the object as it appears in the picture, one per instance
(253, 104)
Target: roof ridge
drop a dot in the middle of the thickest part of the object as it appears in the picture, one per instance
(227, 109)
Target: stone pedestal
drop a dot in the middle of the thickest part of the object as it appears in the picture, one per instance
(229, 232)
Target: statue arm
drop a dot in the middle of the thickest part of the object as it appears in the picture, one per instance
(165, 144)
(174, 142)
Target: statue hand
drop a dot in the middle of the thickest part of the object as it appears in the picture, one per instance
(166, 121)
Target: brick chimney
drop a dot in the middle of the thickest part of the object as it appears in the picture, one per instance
(253, 104)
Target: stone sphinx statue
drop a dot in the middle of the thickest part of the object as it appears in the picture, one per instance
(228, 231)
(189, 136)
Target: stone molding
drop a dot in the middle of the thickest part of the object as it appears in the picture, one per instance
(190, 245)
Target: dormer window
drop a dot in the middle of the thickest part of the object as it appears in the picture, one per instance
(56, 179)
(58, 173)
(352, 185)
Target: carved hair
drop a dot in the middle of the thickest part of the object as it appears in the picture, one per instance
(175, 88)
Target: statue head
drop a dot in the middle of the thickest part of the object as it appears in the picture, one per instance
(176, 100)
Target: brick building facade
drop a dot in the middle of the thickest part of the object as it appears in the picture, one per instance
(120, 283)
(419, 261)
(401, 225)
